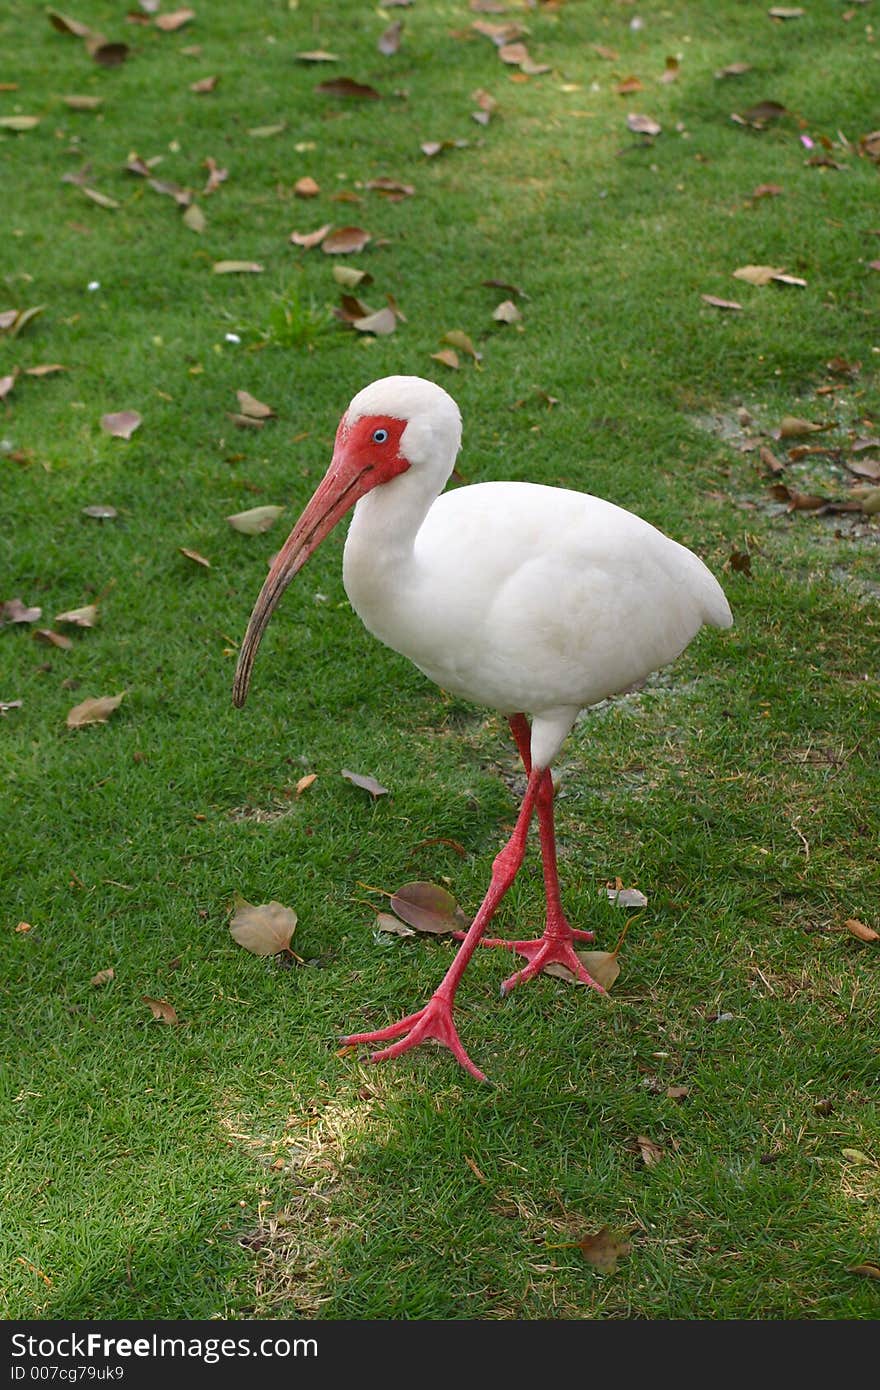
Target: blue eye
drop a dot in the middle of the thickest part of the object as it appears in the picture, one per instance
(380, 436)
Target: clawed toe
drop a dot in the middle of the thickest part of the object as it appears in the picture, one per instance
(433, 1022)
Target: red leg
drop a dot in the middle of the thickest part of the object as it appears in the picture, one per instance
(435, 1019)
(555, 946)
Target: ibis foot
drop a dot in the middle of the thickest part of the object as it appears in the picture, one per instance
(433, 1021)
(548, 950)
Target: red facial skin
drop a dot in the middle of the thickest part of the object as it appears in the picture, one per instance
(360, 462)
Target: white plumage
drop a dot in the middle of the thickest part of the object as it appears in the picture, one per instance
(534, 600)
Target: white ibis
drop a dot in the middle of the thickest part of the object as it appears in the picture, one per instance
(537, 601)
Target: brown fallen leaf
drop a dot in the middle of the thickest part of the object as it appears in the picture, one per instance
(52, 639)
(502, 35)
(237, 268)
(759, 115)
(307, 240)
(786, 12)
(216, 176)
(429, 908)
(204, 84)
(174, 19)
(79, 617)
(14, 611)
(194, 218)
(263, 930)
(347, 87)
(770, 461)
(518, 56)
(457, 339)
(766, 190)
(448, 357)
(603, 1249)
(389, 41)
(344, 241)
(392, 189)
(642, 125)
(121, 423)
(717, 303)
(12, 321)
(316, 55)
(255, 520)
(161, 1010)
(305, 782)
(671, 70)
(602, 966)
(249, 405)
(651, 1152)
(95, 710)
(859, 929)
(6, 384)
(19, 124)
(350, 276)
(798, 501)
(266, 132)
(194, 555)
(628, 85)
(6, 705)
(734, 70)
(45, 369)
(381, 323)
(385, 922)
(65, 25)
(103, 977)
(82, 103)
(108, 55)
(868, 1268)
(306, 187)
(610, 55)
(740, 561)
(506, 312)
(792, 427)
(678, 1093)
(367, 783)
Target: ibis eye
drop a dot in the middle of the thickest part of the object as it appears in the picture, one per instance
(380, 436)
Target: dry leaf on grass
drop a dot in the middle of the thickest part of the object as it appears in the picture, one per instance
(429, 908)
(389, 41)
(604, 1249)
(263, 930)
(249, 405)
(195, 219)
(448, 357)
(345, 241)
(121, 423)
(14, 611)
(100, 511)
(717, 303)
(194, 555)
(625, 897)
(869, 1269)
(53, 639)
(859, 929)
(95, 710)
(457, 339)
(161, 1010)
(306, 187)
(347, 87)
(103, 977)
(642, 125)
(382, 322)
(307, 240)
(87, 616)
(19, 123)
(506, 312)
(365, 782)
(173, 20)
(237, 268)
(385, 922)
(255, 520)
(649, 1150)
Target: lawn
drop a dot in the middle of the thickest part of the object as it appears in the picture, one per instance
(718, 1110)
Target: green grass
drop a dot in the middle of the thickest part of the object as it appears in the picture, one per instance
(236, 1165)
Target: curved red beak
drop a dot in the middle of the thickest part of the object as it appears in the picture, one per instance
(347, 479)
